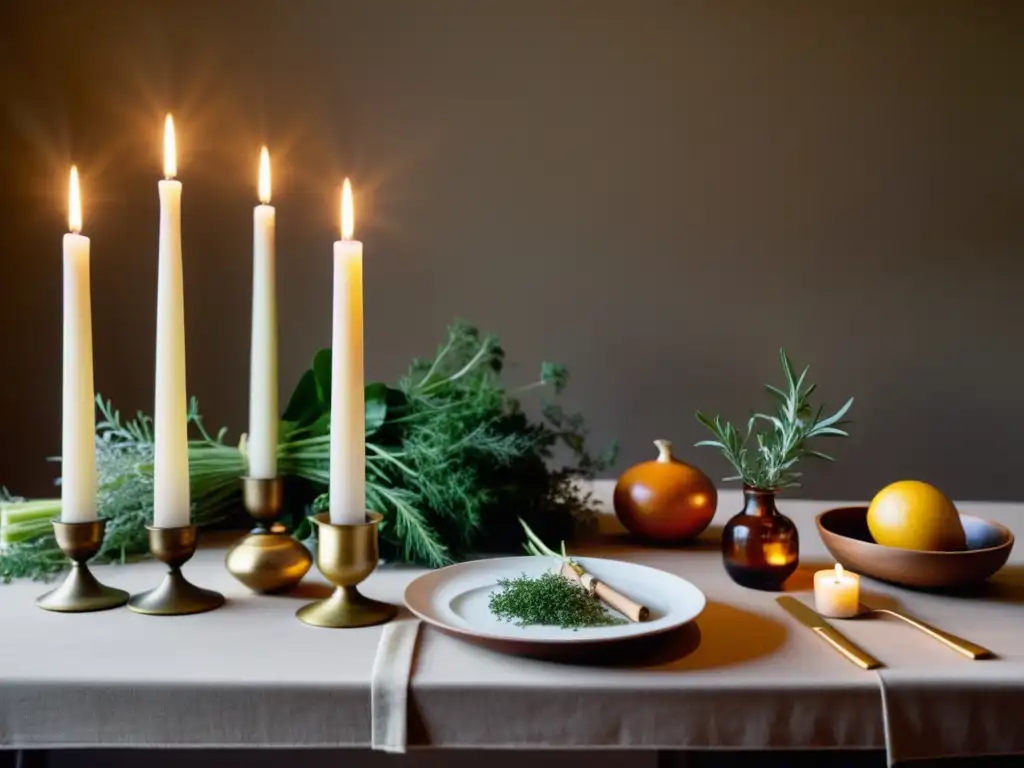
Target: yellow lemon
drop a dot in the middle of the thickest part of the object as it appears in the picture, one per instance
(913, 515)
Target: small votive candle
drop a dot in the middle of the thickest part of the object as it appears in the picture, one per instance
(837, 593)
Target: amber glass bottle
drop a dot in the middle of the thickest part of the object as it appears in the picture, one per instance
(760, 545)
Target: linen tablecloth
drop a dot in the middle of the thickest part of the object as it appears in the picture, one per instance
(743, 676)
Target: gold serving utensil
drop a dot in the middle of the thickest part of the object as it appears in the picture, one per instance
(850, 650)
(958, 644)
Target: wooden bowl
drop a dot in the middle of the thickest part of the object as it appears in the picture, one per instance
(845, 534)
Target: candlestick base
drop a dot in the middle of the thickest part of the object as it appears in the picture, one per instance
(175, 596)
(346, 555)
(81, 592)
(346, 607)
(268, 560)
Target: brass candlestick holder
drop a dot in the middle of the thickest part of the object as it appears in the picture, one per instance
(175, 596)
(346, 555)
(268, 560)
(80, 591)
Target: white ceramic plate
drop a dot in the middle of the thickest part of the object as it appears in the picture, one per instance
(455, 600)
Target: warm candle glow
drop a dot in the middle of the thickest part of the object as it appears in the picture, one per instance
(776, 553)
(839, 572)
(170, 150)
(264, 176)
(74, 203)
(347, 214)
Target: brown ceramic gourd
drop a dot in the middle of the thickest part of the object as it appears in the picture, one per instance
(665, 499)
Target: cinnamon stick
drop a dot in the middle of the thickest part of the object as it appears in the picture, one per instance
(631, 609)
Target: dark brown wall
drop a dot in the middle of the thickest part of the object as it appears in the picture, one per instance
(657, 193)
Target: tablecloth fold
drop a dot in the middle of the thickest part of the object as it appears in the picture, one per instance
(389, 686)
(933, 714)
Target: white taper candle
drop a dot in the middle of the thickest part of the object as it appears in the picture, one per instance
(263, 415)
(348, 418)
(171, 504)
(78, 418)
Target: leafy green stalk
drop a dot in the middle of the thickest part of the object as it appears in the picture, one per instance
(535, 546)
(26, 530)
(772, 463)
(22, 520)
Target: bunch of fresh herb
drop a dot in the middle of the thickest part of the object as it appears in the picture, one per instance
(549, 599)
(453, 461)
(772, 466)
(124, 466)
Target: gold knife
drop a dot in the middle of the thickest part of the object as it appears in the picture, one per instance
(958, 644)
(828, 633)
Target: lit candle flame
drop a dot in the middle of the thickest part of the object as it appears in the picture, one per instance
(348, 217)
(74, 203)
(264, 176)
(839, 573)
(170, 149)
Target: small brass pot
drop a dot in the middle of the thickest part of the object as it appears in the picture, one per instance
(346, 555)
(268, 560)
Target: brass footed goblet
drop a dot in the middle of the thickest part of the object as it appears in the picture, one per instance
(346, 555)
(80, 591)
(268, 560)
(175, 596)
